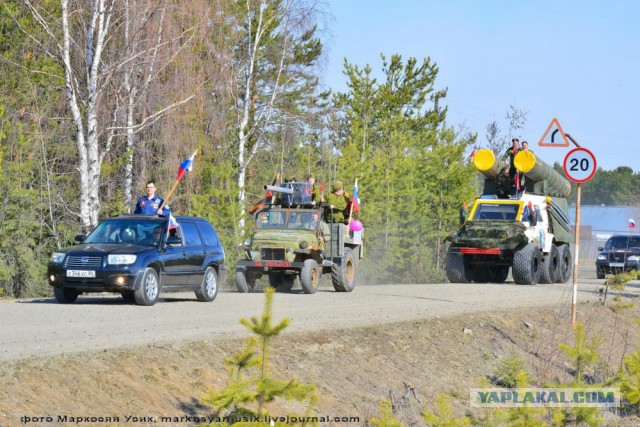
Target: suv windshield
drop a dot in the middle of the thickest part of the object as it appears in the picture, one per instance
(147, 233)
(623, 242)
(504, 211)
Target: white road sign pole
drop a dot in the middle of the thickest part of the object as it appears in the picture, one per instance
(579, 166)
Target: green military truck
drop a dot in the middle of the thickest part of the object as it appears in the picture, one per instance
(527, 231)
(285, 246)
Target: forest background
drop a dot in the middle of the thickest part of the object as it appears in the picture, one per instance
(99, 97)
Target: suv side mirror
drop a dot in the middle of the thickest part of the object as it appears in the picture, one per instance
(174, 241)
(79, 238)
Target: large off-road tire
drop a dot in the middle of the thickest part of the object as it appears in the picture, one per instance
(527, 265)
(149, 290)
(209, 287)
(310, 276)
(551, 266)
(243, 283)
(66, 295)
(565, 269)
(599, 273)
(456, 268)
(344, 277)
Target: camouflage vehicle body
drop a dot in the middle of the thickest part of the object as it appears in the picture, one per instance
(528, 233)
(285, 246)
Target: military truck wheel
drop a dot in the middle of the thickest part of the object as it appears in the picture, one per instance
(456, 268)
(551, 266)
(243, 284)
(66, 295)
(527, 266)
(566, 267)
(310, 276)
(599, 273)
(344, 277)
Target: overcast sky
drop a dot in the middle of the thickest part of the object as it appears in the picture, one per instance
(574, 60)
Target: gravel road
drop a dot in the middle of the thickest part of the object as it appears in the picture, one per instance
(42, 327)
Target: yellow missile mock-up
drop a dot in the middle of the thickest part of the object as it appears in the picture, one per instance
(536, 170)
(487, 164)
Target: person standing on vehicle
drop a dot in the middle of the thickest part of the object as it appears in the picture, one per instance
(511, 154)
(151, 203)
(337, 202)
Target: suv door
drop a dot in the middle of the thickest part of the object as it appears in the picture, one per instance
(196, 252)
(174, 259)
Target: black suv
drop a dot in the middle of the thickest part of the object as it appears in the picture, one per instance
(620, 253)
(139, 256)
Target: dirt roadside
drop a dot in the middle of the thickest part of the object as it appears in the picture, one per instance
(354, 369)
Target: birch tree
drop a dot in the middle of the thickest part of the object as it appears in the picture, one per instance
(87, 39)
(277, 51)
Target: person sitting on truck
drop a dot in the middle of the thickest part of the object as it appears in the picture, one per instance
(504, 184)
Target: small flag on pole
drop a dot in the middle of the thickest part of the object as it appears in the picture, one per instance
(186, 166)
(355, 200)
(173, 223)
(632, 223)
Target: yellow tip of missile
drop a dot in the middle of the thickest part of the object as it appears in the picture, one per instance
(484, 159)
(524, 161)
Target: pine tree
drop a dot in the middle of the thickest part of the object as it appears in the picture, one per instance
(251, 386)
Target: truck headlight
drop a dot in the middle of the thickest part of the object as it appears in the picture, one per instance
(121, 259)
(247, 243)
(57, 257)
(602, 257)
(634, 258)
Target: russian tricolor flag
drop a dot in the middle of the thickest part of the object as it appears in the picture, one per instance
(632, 223)
(355, 200)
(186, 165)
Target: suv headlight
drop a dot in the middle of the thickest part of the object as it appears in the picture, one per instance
(602, 257)
(57, 257)
(121, 259)
(634, 258)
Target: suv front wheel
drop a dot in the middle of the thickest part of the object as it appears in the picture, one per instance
(149, 290)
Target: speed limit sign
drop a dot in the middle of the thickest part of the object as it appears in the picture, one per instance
(579, 165)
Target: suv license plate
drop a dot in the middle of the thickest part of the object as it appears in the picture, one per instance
(616, 264)
(81, 273)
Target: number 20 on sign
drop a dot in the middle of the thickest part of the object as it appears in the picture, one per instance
(579, 165)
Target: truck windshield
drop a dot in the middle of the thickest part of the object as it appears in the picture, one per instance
(500, 211)
(294, 220)
(623, 242)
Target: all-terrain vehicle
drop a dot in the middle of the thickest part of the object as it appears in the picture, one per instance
(527, 232)
(285, 245)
